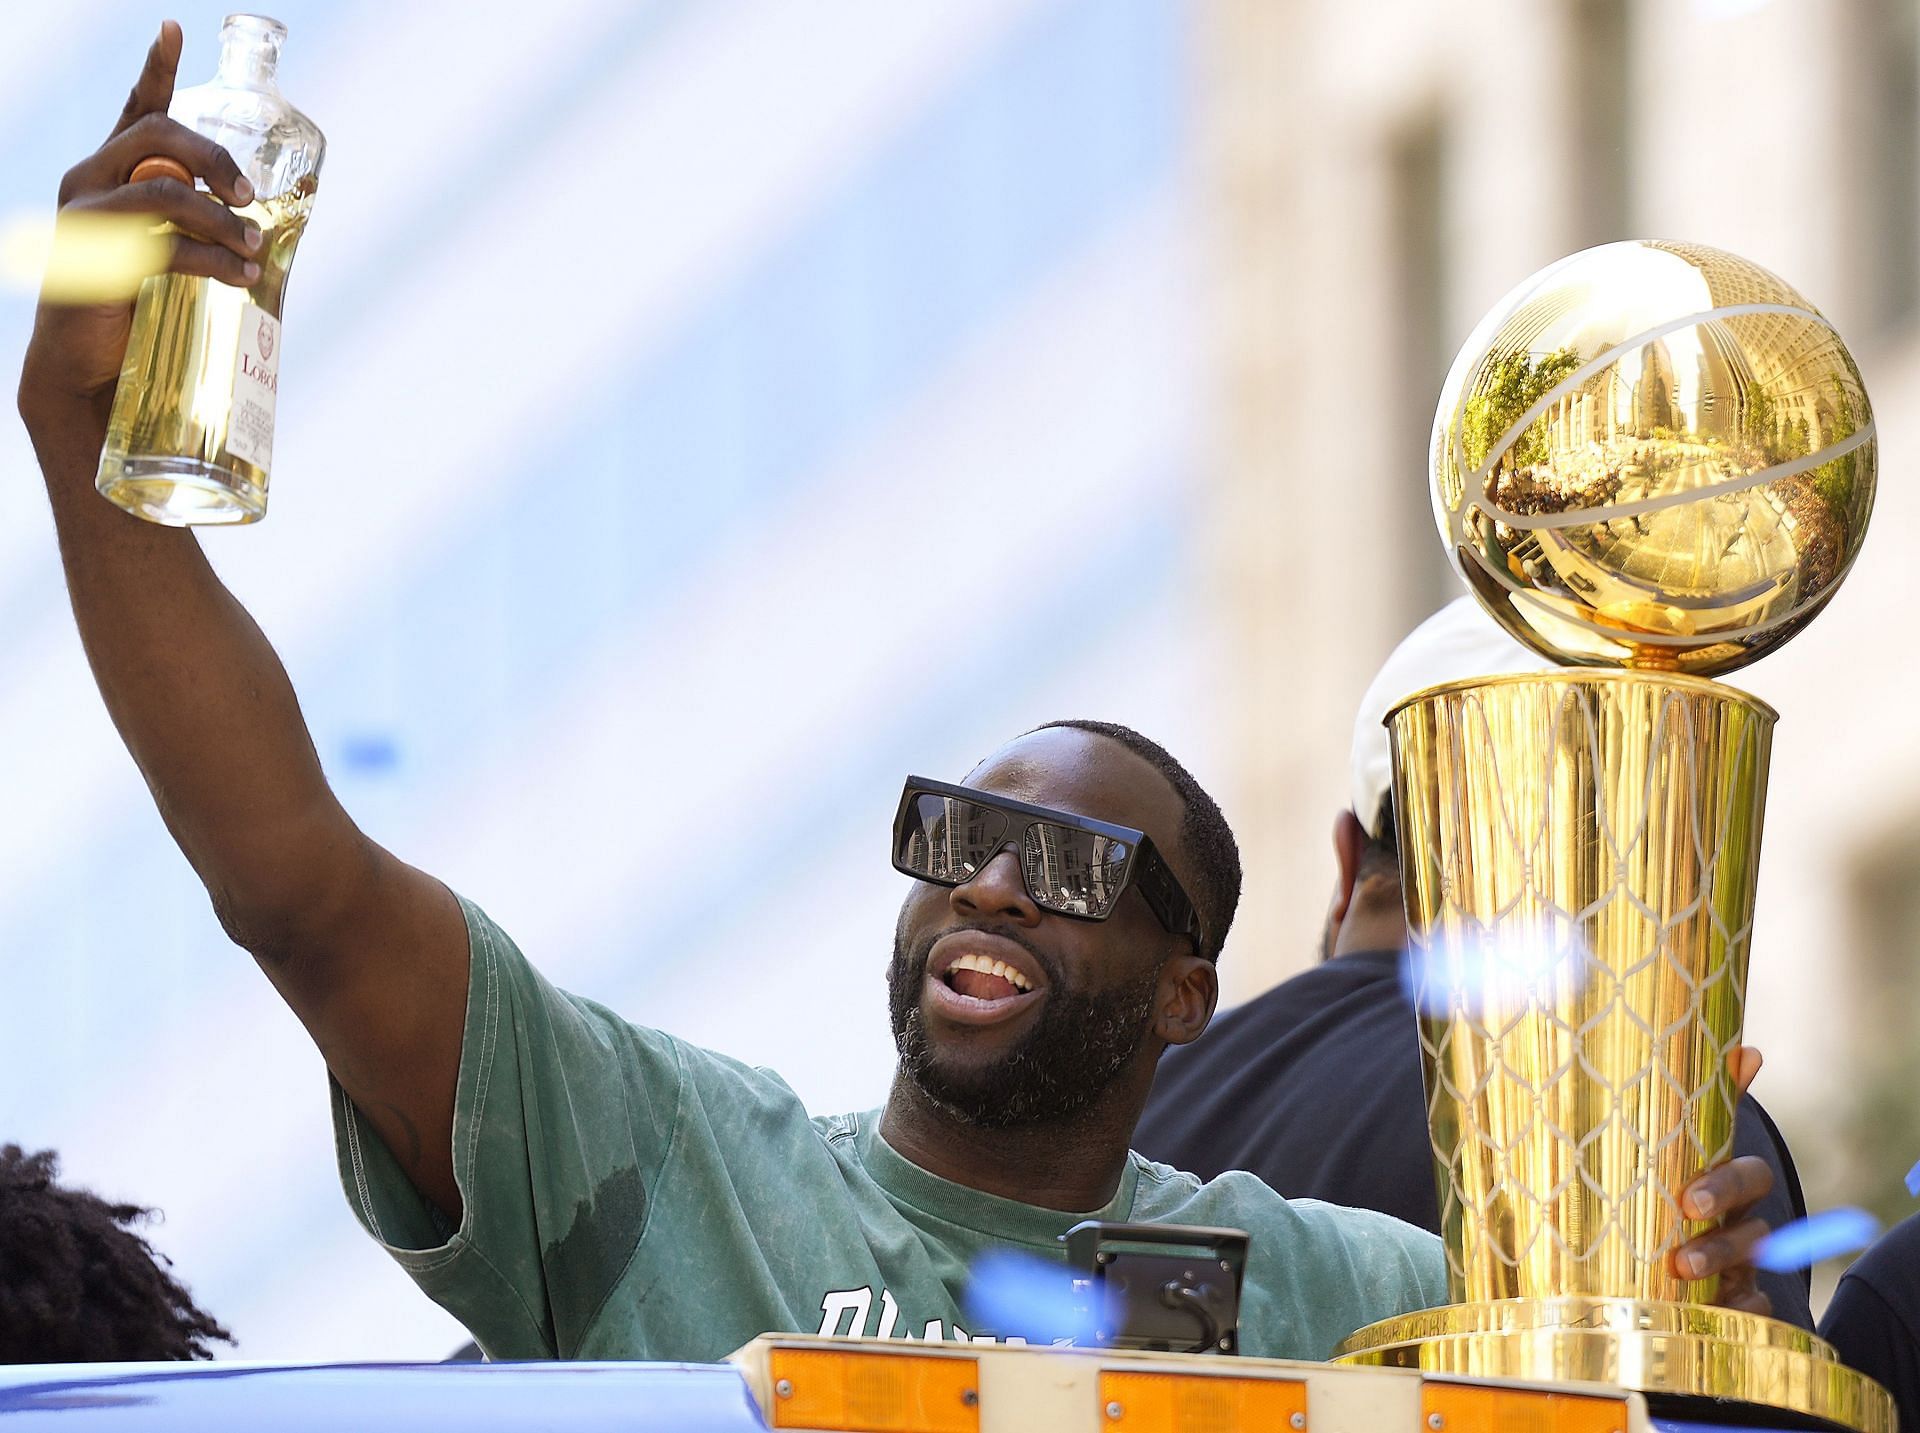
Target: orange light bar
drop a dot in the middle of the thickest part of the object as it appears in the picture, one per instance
(1201, 1403)
(1472, 1408)
(846, 1391)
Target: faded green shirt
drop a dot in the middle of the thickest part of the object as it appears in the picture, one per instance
(628, 1195)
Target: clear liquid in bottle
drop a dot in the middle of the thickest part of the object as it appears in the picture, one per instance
(190, 438)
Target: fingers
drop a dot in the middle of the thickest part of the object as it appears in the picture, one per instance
(1729, 1189)
(1727, 1251)
(153, 91)
(144, 132)
(1739, 1289)
(193, 213)
(190, 256)
(155, 134)
(1729, 1254)
(1743, 1063)
(206, 237)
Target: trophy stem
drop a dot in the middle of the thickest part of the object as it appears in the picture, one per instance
(1578, 851)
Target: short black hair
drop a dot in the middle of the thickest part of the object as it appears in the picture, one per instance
(77, 1285)
(1203, 831)
(1381, 856)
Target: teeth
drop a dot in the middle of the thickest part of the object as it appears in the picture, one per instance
(993, 967)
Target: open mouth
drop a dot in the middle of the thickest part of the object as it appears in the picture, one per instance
(984, 978)
(973, 977)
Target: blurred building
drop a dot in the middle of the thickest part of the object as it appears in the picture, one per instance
(776, 400)
(852, 427)
(1381, 175)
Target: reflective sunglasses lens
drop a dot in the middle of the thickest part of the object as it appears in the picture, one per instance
(1074, 872)
(948, 840)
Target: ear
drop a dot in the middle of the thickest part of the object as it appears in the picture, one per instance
(1189, 989)
(1349, 845)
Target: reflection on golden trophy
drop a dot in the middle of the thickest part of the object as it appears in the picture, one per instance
(1654, 456)
(1652, 462)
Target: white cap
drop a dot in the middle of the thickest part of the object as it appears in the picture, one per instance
(1457, 643)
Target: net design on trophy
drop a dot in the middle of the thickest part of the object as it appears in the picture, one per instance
(1613, 950)
(1652, 463)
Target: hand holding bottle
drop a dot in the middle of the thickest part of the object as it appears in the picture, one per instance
(74, 357)
(370, 953)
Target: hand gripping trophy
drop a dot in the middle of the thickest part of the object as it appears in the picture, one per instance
(1653, 463)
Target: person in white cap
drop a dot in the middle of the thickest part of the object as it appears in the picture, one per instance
(1315, 1086)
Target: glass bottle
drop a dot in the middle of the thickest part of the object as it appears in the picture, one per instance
(190, 439)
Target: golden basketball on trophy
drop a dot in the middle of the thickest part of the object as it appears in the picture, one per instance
(1652, 462)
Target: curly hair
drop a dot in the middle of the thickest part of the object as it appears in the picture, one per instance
(77, 1285)
(1203, 830)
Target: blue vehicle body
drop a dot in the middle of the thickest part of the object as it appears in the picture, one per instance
(398, 1398)
(381, 1398)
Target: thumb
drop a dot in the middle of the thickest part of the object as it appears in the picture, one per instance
(153, 91)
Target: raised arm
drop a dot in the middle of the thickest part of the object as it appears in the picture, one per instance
(370, 953)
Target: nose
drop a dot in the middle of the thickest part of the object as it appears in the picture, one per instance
(1000, 889)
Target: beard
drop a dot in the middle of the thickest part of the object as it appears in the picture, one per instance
(1067, 1060)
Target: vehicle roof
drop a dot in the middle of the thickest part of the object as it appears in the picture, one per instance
(403, 1398)
(131, 1398)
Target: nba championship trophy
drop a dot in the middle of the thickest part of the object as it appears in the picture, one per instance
(1653, 463)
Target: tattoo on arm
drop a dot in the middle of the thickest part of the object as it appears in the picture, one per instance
(410, 1156)
(391, 1118)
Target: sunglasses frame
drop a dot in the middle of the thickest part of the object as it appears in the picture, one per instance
(1144, 869)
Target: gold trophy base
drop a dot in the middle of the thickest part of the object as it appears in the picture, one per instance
(1678, 1351)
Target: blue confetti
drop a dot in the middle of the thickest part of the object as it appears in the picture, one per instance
(370, 753)
(1017, 1295)
(1913, 1181)
(1805, 1242)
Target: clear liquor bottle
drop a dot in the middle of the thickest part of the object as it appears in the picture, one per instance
(190, 439)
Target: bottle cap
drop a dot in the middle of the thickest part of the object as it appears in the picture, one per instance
(159, 166)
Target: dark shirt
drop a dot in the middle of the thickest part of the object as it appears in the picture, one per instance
(1874, 1319)
(1316, 1087)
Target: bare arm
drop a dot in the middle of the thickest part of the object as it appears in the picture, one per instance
(370, 953)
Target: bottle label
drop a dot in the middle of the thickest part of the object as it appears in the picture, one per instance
(256, 383)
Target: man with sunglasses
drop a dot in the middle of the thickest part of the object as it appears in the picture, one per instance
(571, 1184)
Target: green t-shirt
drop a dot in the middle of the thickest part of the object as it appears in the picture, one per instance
(628, 1195)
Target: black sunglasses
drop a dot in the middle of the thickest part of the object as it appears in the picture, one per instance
(1073, 865)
